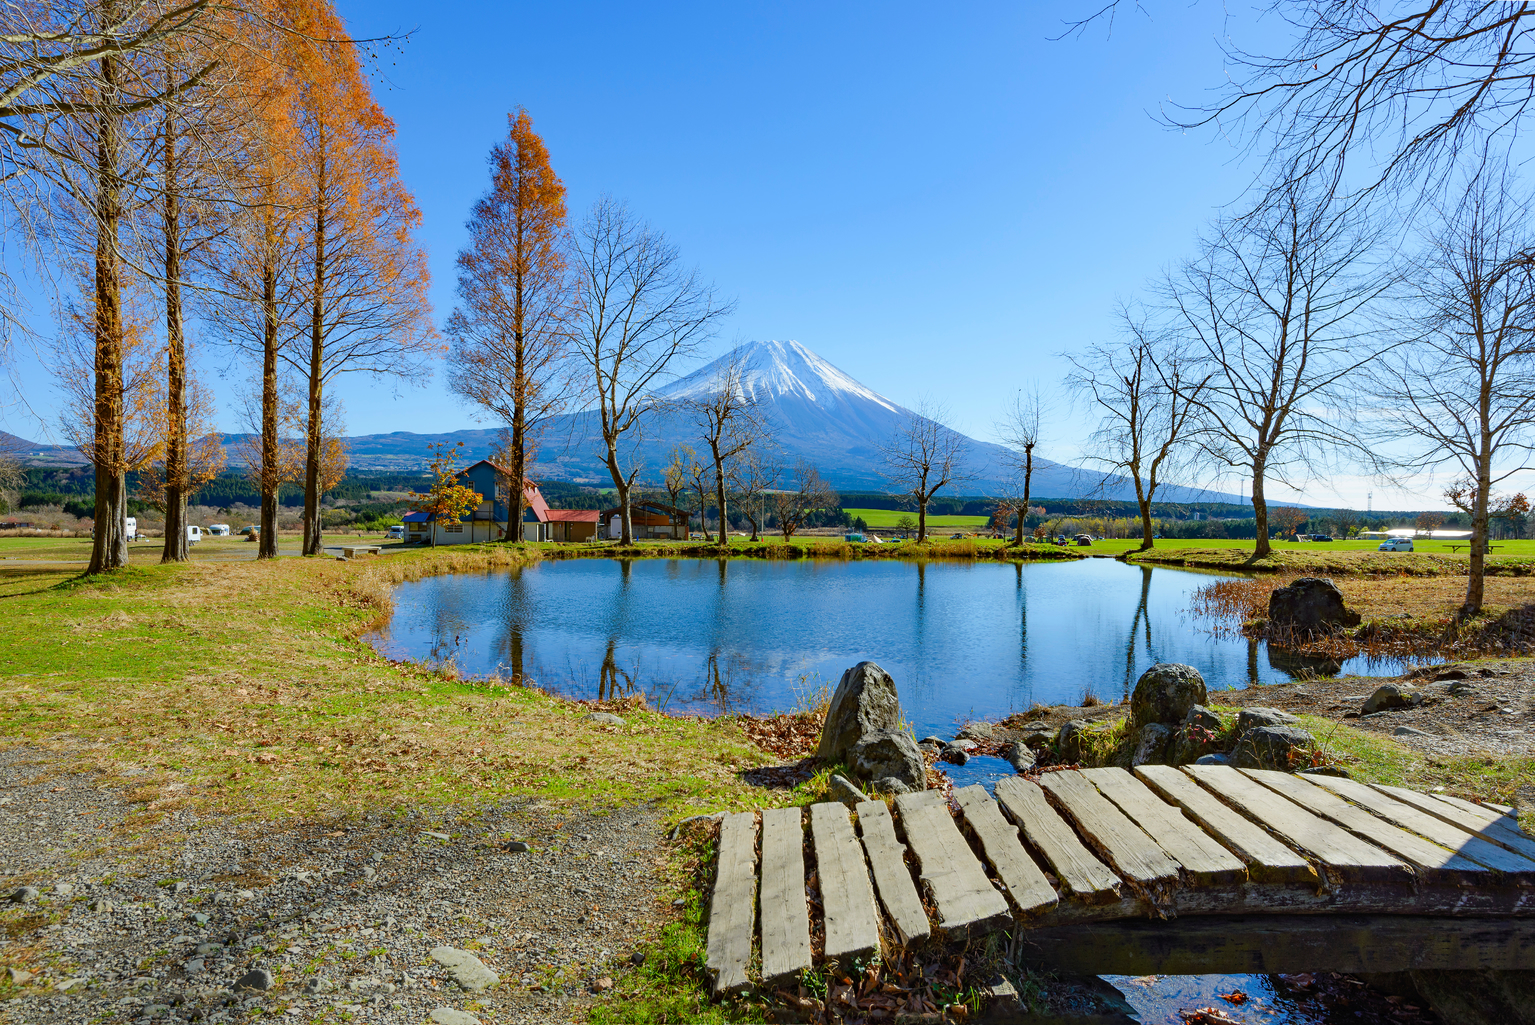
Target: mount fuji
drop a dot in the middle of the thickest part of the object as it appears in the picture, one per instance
(821, 413)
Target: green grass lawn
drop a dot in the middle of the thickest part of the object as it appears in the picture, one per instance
(890, 517)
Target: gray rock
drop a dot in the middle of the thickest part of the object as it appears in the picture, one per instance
(889, 785)
(1325, 770)
(864, 703)
(515, 847)
(24, 895)
(1151, 745)
(208, 948)
(101, 905)
(452, 1016)
(603, 719)
(194, 966)
(1068, 740)
(1273, 747)
(467, 970)
(963, 743)
(888, 753)
(955, 754)
(1409, 731)
(156, 1010)
(1247, 718)
(1389, 696)
(842, 789)
(1165, 693)
(1310, 605)
(930, 742)
(179, 886)
(200, 918)
(317, 985)
(1213, 759)
(256, 979)
(1019, 756)
(64, 889)
(18, 977)
(434, 836)
(976, 731)
(1202, 717)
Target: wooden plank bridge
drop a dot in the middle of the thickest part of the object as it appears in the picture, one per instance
(1191, 870)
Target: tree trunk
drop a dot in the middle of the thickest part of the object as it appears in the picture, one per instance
(703, 512)
(271, 476)
(1260, 510)
(719, 496)
(313, 541)
(519, 448)
(176, 470)
(1028, 478)
(921, 516)
(1476, 580)
(1147, 542)
(109, 547)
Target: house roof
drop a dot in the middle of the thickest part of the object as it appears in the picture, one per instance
(573, 515)
(535, 501)
(416, 517)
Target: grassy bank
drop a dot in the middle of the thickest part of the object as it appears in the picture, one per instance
(244, 688)
(771, 547)
(1343, 558)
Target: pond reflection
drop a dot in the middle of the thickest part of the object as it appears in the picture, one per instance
(705, 636)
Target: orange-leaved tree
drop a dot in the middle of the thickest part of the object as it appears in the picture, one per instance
(446, 501)
(511, 328)
(363, 274)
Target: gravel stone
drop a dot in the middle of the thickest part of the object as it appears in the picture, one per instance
(453, 1016)
(604, 719)
(467, 970)
(24, 895)
(256, 978)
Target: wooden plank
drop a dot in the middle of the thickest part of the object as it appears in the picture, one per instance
(968, 904)
(847, 898)
(1125, 846)
(1431, 860)
(734, 904)
(1268, 860)
(1075, 866)
(785, 912)
(1343, 856)
(1502, 830)
(1026, 884)
(1497, 858)
(1243, 944)
(1204, 860)
(891, 876)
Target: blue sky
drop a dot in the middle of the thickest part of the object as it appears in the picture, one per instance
(937, 200)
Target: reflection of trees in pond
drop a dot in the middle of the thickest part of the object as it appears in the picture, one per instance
(614, 682)
(1141, 620)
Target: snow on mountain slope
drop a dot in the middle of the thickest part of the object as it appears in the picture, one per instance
(774, 371)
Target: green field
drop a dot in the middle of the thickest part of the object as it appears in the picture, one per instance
(890, 517)
(1500, 549)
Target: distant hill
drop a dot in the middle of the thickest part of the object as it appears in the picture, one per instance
(814, 411)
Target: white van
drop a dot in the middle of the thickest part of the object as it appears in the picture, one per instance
(194, 535)
(133, 529)
(218, 529)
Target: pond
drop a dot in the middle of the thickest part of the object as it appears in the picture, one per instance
(962, 639)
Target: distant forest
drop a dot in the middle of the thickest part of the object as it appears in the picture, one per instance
(73, 490)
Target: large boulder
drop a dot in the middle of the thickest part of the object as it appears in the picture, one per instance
(1389, 696)
(1068, 740)
(865, 701)
(1310, 605)
(1151, 744)
(1196, 737)
(1248, 718)
(1165, 693)
(1273, 747)
(884, 753)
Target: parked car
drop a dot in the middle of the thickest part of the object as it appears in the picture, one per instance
(1396, 544)
(1321, 537)
(250, 529)
(133, 529)
(853, 537)
(194, 535)
(395, 533)
(956, 537)
(218, 529)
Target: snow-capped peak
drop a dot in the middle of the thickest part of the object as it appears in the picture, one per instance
(776, 370)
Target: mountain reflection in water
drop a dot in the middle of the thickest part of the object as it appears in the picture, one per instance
(962, 639)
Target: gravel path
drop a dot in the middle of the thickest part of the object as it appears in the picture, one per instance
(344, 918)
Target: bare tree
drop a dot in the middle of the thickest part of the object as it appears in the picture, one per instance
(1146, 396)
(726, 417)
(752, 475)
(698, 480)
(1464, 391)
(640, 310)
(675, 479)
(810, 494)
(1346, 520)
(924, 456)
(1020, 432)
(1274, 309)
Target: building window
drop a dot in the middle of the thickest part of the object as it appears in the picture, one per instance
(453, 528)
